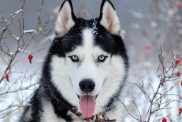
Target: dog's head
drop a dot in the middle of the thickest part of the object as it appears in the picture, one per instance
(88, 58)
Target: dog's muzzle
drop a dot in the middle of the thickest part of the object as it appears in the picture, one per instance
(87, 102)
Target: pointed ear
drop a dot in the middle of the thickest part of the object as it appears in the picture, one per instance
(108, 17)
(66, 18)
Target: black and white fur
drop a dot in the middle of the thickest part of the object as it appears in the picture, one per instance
(87, 40)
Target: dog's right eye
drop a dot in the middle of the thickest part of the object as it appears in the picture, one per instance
(74, 58)
(101, 58)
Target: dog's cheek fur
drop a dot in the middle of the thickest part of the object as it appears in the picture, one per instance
(115, 74)
(60, 79)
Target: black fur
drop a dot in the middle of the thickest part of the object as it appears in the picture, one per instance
(35, 109)
(110, 43)
(113, 44)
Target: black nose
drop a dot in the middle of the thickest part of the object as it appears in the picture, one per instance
(87, 85)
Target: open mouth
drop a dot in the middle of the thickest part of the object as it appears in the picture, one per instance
(87, 105)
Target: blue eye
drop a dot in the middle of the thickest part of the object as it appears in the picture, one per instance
(101, 58)
(74, 58)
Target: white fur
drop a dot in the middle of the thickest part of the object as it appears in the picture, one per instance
(107, 76)
(49, 114)
(60, 70)
(115, 74)
(110, 19)
(88, 68)
(64, 20)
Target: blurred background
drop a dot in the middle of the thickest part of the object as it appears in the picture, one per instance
(152, 31)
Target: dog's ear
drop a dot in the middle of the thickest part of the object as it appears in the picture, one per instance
(66, 18)
(108, 17)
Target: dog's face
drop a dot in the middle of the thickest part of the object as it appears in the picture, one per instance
(89, 60)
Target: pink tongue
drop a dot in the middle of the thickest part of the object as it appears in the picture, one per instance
(87, 106)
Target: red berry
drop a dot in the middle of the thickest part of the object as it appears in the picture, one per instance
(178, 74)
(7, 76)
(30, 57)
(164, 119)
(180, 110)
(180, 83)
(178, 4)
(177, 62)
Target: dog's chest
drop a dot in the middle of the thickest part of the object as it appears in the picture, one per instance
(48, 114)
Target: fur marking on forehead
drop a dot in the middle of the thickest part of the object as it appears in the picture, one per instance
(88, 38)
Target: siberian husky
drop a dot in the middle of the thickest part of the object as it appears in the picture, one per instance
(84, 71)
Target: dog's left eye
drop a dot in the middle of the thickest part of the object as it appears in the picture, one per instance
(74, 58)
(101, 58)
